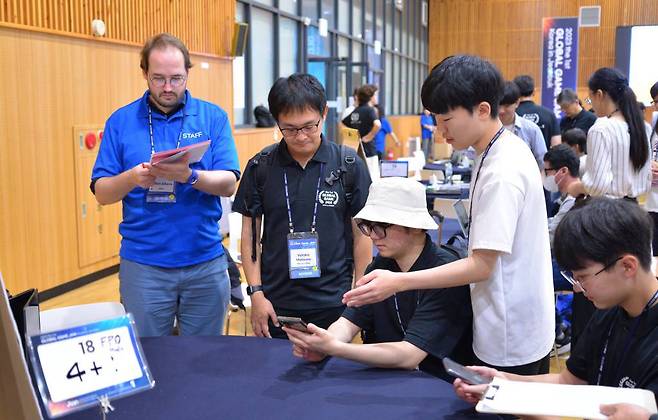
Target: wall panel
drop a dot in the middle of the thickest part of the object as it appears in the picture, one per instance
(508, 32)
(204, 25)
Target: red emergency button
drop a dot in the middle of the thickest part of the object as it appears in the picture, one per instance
(90, 140)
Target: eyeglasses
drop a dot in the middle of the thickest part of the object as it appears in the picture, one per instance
(174, 81)
(568, 275)
(307, 129)
(378, 229)
(549, 169)
(588, 100)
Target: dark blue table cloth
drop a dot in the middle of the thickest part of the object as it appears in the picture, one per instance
(256, 378)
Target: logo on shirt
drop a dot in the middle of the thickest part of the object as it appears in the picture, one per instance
(354, 117)
(192, 135)
(532, 117)
(626, 382)
(328, 198)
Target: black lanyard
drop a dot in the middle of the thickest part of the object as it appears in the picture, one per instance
(397, 309)
(180, 133)
(629, 338)
(477, 175)
(315, 208)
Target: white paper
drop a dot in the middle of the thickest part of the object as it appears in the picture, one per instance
(540, 399)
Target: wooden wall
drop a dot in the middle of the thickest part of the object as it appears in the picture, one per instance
(404, 126)
(54, 81)
(508, 32)
(206, 26)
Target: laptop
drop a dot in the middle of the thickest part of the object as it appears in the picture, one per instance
(389, 168)
(462, 216)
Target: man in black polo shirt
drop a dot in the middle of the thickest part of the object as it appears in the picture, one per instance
(606, 243)
(364, 118)
(538, 114)
(574, 114)
(410, 329)
(307, 189)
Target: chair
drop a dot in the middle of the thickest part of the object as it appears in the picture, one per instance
(73, 316)
(238, 304)
(235, 235)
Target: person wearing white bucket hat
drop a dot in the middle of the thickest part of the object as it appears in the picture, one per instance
(412, 329)
(508, 266)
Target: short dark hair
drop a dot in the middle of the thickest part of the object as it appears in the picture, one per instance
(601, 230)
(297, 92)
(511, 93)
(567, 96)
(526, 84)
(562, 155)
(575, 136)
(462, 81)
(162, 41)
(365, 94)
(654, 90)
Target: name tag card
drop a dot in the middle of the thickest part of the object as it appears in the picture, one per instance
(303, 255)
(78, 367)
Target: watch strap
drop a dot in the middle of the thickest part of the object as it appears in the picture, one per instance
(253, 289)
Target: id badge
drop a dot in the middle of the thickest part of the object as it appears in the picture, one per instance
(161, 192)
(303, 255)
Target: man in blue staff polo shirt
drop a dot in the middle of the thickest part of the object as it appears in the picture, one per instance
(172, 262)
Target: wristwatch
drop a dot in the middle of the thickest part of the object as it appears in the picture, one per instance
(194, 177)
(253, 289)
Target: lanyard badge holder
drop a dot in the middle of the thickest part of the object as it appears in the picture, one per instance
(163, 191)
(303, 247)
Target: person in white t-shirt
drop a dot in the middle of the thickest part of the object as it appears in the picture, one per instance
(509, 263)
(651, 204)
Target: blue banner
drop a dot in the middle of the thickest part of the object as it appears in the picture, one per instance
(559, 59)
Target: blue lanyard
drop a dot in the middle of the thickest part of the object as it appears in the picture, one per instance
(315, 207)
(180, 133)
(631, 334)
(477, 175)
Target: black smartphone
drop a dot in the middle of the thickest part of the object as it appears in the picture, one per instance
(462, 372)
(292, 322)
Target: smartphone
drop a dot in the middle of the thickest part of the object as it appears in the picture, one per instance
(467, 375)
(292, 322)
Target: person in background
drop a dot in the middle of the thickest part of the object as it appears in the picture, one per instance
(386, 129)
(577, 140)
(538, 114)
(561, 170)
(618, 163)
(428, 128)
(651, 204)
(364, 118)
(605, 244)
(412, 329)
(172, 263)
(574, 114)
(524, 129)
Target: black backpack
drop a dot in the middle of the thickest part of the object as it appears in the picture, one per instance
(343, 173)
(263, 117)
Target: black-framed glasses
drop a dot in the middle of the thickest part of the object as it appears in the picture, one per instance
(549, 169)
(174, 81)
(307, 129)
(373, 228)
(568, 275)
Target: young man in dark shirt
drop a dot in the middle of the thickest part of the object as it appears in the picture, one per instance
(364, 118)
(606, 245)
(411, 329)
(538, 114)
(574, 114)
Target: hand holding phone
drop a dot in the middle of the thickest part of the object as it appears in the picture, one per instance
(465, 374)
(292, 322)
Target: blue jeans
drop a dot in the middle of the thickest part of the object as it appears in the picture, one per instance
(196, 295)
